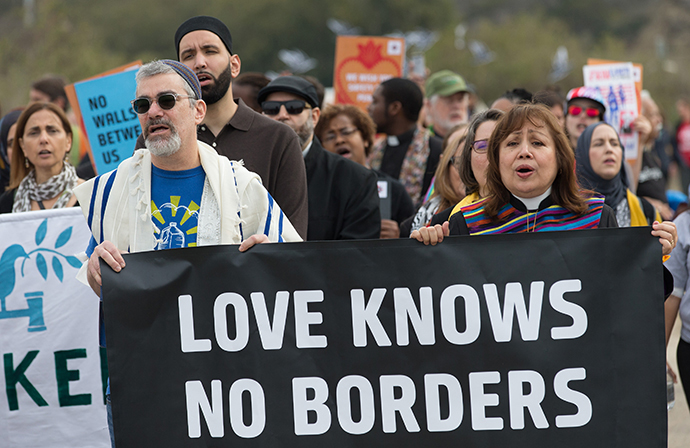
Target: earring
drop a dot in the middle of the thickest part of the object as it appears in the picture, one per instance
(26, 162)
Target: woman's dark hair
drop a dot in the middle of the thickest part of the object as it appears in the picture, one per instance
(18, 168)
(564, 190)
(360, 120)
(465, 168)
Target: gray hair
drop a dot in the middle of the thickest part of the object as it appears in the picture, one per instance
(154, 68)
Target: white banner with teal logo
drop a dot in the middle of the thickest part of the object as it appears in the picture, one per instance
(53, 371)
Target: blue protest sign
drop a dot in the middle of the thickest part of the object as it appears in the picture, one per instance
(112, 127)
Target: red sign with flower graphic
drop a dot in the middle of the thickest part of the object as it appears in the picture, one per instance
(362, 63)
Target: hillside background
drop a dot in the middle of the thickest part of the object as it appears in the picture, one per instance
(80, 38)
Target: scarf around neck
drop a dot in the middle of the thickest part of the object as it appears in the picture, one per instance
(613, 190)
(59, 185)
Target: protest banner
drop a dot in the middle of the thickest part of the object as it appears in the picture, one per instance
(362, 63)
(547, 339)
(102, 105)
(616, 83)
(54, 372)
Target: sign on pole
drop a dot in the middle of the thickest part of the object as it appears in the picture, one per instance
(362, 63)
(102, 104)
(617, 84)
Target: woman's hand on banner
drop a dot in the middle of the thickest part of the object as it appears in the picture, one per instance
(431, 235)
(668, 236)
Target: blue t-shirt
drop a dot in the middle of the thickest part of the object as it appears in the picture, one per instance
(175, 202)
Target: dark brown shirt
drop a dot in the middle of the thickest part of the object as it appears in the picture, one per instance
(270, 149)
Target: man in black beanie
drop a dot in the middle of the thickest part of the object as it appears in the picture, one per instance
(268, 148)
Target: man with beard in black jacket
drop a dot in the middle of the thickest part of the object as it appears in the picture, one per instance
(343, 196)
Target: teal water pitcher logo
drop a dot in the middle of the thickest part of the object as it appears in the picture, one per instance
(9, 274)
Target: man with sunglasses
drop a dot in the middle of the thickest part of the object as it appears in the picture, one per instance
(343, 195)
(232, 128)
(585, 106)
(177, 192)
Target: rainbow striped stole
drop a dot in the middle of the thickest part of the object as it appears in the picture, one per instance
(549, 219)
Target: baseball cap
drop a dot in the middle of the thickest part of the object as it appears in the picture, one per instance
(589, 93)
(445, 83)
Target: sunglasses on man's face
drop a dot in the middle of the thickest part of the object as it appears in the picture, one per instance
(293, 107)
(592, 112)
(166, 101)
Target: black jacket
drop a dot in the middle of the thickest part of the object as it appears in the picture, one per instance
(343, 197)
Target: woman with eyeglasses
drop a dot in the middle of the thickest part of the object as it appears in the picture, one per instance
(348, 131)
(41, 176)
(532, 186)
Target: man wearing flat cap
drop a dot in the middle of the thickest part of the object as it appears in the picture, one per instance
(447, 101)
(343, 195)
(204, 44)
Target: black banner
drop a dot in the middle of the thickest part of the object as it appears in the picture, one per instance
(548, 339)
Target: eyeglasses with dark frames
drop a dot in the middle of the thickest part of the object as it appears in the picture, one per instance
(166, 101)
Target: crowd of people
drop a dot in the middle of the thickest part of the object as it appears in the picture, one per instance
(255, 160)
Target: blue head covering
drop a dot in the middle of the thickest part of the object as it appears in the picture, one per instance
(614, 190)
(187, 74)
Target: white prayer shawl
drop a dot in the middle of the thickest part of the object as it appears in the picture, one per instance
(234, 205)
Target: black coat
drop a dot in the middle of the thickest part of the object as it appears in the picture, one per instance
(343, 197)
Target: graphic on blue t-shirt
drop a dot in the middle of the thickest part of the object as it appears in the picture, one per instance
(175, 199)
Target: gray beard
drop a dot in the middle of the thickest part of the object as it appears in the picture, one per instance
(161, 146)
(164, 147)
(305, 131)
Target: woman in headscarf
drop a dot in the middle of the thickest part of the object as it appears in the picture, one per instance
(40, 174)
(600, 157)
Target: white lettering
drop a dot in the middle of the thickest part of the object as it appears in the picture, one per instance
(366, 404)
(188, 343)
(197, 404)
(449, 324)
(514, 300)
(301, 406)
(423, 323)
(258, 408)
(531, 401)
(304, 318)
(220, 319)
(367, 316)
(584, 405)
(575, 311)
(271, 335)
(403, 405)
(479, 400)
(432, 392)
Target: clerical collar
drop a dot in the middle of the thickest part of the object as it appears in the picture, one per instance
(532, 204)
(305, 151)
(403, 139)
